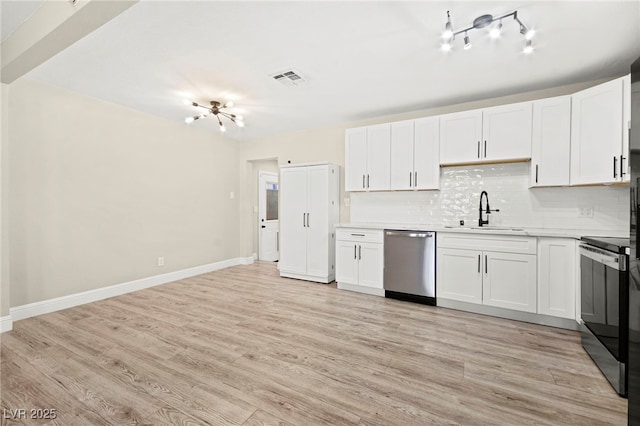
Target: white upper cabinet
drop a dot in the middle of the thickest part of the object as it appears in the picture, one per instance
(597, 127)
(506, 132)
(426, 153)
(460, 135)
(367, 151)
(551, 142)
(402, 134)
(626, 125)
(415, 159)
(495, 134)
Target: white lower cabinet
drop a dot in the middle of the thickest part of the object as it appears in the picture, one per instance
(528, 274)
(458, 274)
(360, 260)
(557, 277)
(493, 270)
(509, 281)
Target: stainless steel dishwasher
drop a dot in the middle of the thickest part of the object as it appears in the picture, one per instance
(410, 265)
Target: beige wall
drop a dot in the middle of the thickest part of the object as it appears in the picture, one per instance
(4, 225)
(327, 144)
(98, 192)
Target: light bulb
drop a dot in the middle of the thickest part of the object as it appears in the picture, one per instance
(529, 34)
(222, 128)
(467, 42)
(445, 47)
(239, 117)
(240, 123)
(187, 102)
(495, 31)
(528, 48)
(229, 104)
(448, 29)
(189, 120)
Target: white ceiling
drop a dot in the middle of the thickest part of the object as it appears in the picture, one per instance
(360, 59)
(15, 13)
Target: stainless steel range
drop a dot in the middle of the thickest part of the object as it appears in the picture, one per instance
(605, 310)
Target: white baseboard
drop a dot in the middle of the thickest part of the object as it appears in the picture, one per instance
(46, 306)
(6, 324)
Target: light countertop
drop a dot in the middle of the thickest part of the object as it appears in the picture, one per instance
(489, 229)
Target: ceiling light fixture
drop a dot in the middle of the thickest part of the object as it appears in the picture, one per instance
(215, 108)
(483, 21)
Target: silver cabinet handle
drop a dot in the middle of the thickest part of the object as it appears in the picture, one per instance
(536, 173)
(614, 167)
(486, 266)
(415, 179)
(277, 241)
(358, 235)
(410, 180)
(622, 173)
(359, 252)
(307, 220)
(304, 223)
(367, 180)
(478, 149)
(355, 251)
(478, 263)
(363, 181)
(485, 149)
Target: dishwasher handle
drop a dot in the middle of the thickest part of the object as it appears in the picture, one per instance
(409, 234)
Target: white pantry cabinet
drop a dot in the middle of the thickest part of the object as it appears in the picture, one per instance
(551, 142)
(493, 270)
(557, 277)
(495, 134)
(415, 157)
(309, 210)
(598, 127)
(360, 260)
(367, 151)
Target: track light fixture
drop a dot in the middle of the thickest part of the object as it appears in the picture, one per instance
(449, 35)
(215, 108)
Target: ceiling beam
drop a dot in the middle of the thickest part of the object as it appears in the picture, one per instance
(53, 27)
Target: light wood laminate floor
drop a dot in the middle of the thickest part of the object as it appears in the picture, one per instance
(242, 346)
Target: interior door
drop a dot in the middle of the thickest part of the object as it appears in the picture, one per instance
(268, 232)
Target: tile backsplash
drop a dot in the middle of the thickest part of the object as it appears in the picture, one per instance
(508, 189)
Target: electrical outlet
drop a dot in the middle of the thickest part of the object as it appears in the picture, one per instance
(161, 261)
(585, 211)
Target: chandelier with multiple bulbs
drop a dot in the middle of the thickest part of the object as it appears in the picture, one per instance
(449, 35)
(215, 108)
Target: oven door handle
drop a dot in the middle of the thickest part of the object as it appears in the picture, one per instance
(609, 259)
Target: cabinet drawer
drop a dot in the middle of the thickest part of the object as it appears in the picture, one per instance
(499, 243)
(359, 234)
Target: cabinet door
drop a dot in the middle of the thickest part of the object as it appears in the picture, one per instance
(347, 262)
(459, 275)
(317, 220)
(556, 277)
(509, 281)
(370, 265)
(626, 126)
(460, 135)
(551, 142)
(506, 132)
(402, 172)
(293, 230)
(378, 153)
(426, 153)
(596, 134)
(355, 159)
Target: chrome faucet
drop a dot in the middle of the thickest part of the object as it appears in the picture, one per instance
(488, 210)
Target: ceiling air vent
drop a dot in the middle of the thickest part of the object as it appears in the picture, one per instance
(289, 78)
